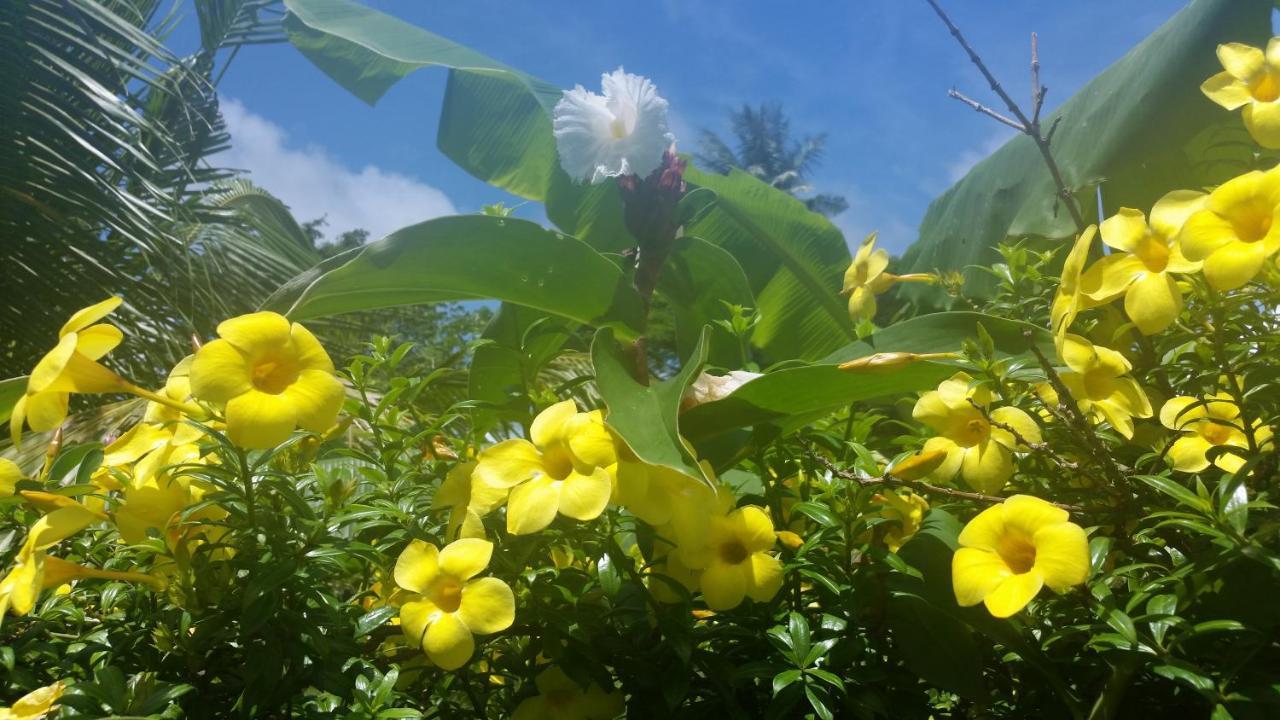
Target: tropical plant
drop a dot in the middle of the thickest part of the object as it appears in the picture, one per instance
(766, 150)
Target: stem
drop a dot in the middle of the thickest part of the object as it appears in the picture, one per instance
(1108, 703)
(1216, 312)
(247, 478)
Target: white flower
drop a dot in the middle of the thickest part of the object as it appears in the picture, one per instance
(709, 388)
(622, 132)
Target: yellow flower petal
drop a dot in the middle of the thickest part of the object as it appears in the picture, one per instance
(488, 606)
(862, 304)
(724, 585)
(219, 372)
(255, 331)
(975, 574)
(987, 466)
(1124, 230)
(20, 588)
(37, 703)
(532, 505)
(508, 463)
(584, 497)
(1153, 302)
(59, 525)
(317, 398)
(1062, 555)
(1019, 421)
(417, 566)
(85, 317)
(1226, 90)
(1108, 278)
(1234, 264)
(94, 342)
(764, 576)
(47, 373)
(1171, 211)
(932, 411)
(448, 642)
(589, 440)
(259, 420)
(1188, 453)
(1203, 233)
(548, 427)
(1179, 412)
(954, 457)
(310, 353)
(10, 474)
(1029, 514)
(753, 528)
(1242, 61)
(984, 531)
(44, 411)
(1013, 594)
(464, 559)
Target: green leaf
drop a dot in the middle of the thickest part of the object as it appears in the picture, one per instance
(10, 391)
(936, 646)
(494, 122)
(794, 261)
(944, 332)
(698, 280)
(452, 258)
(501, 367)
(1140, 129)
(1176, 491)
(646, 417)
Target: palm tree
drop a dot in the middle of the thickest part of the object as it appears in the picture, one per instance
(105, 186)
(767, 151)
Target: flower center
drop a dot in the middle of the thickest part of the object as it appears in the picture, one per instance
(1216, 433)
(618, 128)
(1017, 551)
(557, 462)
(447, 594)
(733, 552)
(273, 375)
(1153, 252)
(1253, 223)
(1266, 89)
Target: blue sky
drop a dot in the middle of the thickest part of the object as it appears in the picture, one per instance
(872, 74)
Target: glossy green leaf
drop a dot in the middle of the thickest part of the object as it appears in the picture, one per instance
(698, 280)
(794, 261)
(945, 332)
(647, 417)
(452, 258)
(936, 646)
(1140, 129)
(494, 122)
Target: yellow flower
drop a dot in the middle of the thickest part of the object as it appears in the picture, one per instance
(1141, 272)
(560, 698)
(35, 704)
(1236, 231)
(976, 449)
(70, 367)
(649, 491)
(1011, 550)
(1205, 424)
(1098, 380)
(272, 376)
(1251, 80)
(448, 606)
(738, 564)
(866, 278)
(905, 511)
(468, 500)
(1070, 297)
(10, 474)
(890, 360)
(563, 470)
(918, 466)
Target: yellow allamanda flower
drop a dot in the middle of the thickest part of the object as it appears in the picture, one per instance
(866, 278)
(1251, 79)
(35, 704)
(1205, 424)
(1070, 297)
(10, 474)
(648, 491)
(560, 698)
(1143, 271)
(1098, 379)
(738, 564)
(976, 449)
(467, 499)
(905, 512)
(1236, 232)
(1011, 550)
(449, 605)
(271, 376)
(563, 468)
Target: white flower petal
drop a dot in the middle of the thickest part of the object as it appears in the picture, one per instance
(621, 132)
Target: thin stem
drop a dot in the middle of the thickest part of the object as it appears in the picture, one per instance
(983, 109)
(249, 503)
(1218, 316)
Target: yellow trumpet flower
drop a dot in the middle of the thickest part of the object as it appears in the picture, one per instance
(1236, 232)
(562, 468)
(1011, 550)
(272, 376)
(739, 565)
(905, 512)
(866, 278)
(10, 474)
(447, 605)
(1143, 271)
(1099, 381)
(1251, 80)
(468, 500)
(560, 698)
(1205, 424)
(1070, 298)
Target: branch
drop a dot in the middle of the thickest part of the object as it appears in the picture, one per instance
(979, 107)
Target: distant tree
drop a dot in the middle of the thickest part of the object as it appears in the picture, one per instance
(766, 149)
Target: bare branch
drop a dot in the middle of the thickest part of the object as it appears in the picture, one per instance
(1037, 90)
(979, 107)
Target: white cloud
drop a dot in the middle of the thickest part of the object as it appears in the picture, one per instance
(313, 183)
(961, 166)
